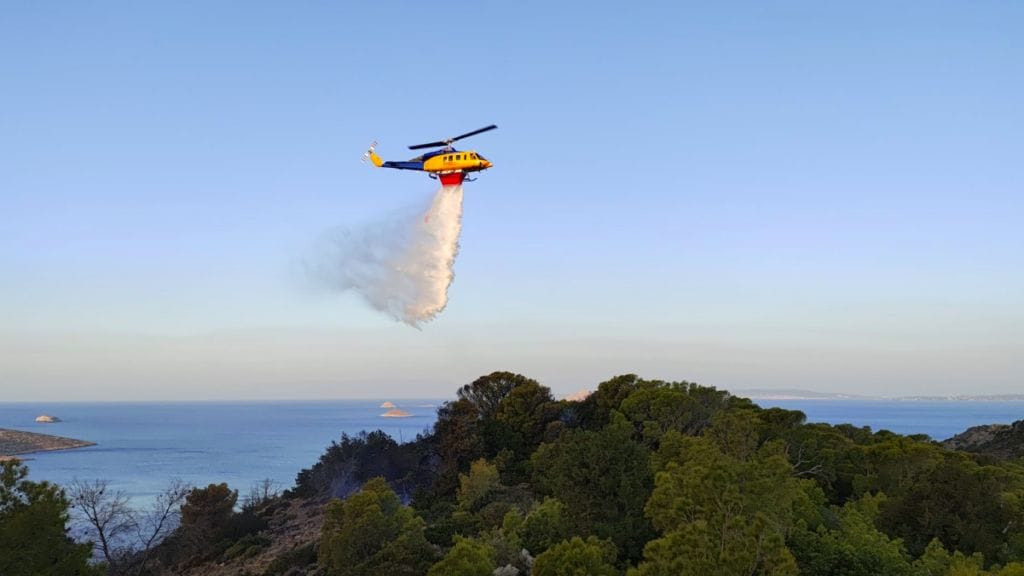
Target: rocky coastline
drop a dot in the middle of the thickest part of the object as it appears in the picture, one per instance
(999, 440)
(18, 442)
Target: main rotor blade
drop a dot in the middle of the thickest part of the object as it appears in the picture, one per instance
(474, 132)
(440, 143)
(429, 145)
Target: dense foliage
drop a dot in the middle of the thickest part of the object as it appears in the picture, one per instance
(673, 478)
(348, 464)
(642, 478)
(33, 528)
(371, 532)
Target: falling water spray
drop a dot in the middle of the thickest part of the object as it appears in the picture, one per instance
(403, 265)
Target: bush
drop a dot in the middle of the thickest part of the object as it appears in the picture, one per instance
(299, 557)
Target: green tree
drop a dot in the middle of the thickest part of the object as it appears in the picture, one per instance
(963, 565)
(207, 521)
(466, 558)
(483, 501)
(458, 433)
(894, 465)
(962, 504)
(737, 433)
(348, 463)
(33, 528)
(544, 526)
(854, 547)
(826, 455)
(722, 515)
(657, 407)
(476, 486)
(935, 560)
(603, 477)
(577, 557)
(371, 532)
(480, 487)
(487, 392)
(595, 411)
(509, 415)
(210, 508)
(698, 551)
(523, 417)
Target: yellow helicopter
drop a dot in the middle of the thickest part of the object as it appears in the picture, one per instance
(448, 164)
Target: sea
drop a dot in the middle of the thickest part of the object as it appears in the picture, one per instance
(141, 447)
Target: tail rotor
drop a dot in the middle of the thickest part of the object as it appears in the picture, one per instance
(370, 151)
(371, 155)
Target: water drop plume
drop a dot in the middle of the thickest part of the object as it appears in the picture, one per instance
(402, 265)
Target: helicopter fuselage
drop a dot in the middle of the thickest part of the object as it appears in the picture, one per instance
(446, 163)
(449, 165)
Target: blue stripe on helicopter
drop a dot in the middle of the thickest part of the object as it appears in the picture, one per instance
(404, 165)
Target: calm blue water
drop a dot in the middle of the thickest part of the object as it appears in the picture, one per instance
(142, 446)
(938, 419)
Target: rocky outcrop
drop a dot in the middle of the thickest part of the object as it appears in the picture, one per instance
(14, 442)
(47, 419)
(286, 546)
(396, 413)
(999, 440)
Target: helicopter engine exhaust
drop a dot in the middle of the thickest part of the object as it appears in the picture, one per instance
(401, 266)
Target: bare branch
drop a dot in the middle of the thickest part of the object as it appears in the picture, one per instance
(106, 515)
(160, 520)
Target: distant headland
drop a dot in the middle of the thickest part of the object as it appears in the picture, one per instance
(798, 394)
(15, 442)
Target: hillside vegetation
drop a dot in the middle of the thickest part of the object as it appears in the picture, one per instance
(643, 477)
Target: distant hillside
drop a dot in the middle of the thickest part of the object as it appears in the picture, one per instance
(14, 442)
(799, 394)
(968, 398)
(794, 394)
(1000, 440)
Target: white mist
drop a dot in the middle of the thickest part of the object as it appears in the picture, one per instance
(401, 266)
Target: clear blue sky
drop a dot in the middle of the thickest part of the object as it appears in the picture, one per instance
(784, 194)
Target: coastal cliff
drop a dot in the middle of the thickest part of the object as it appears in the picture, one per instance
(15, 442)
(999, 440)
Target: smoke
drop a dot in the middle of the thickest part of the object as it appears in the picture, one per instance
(402, 265)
